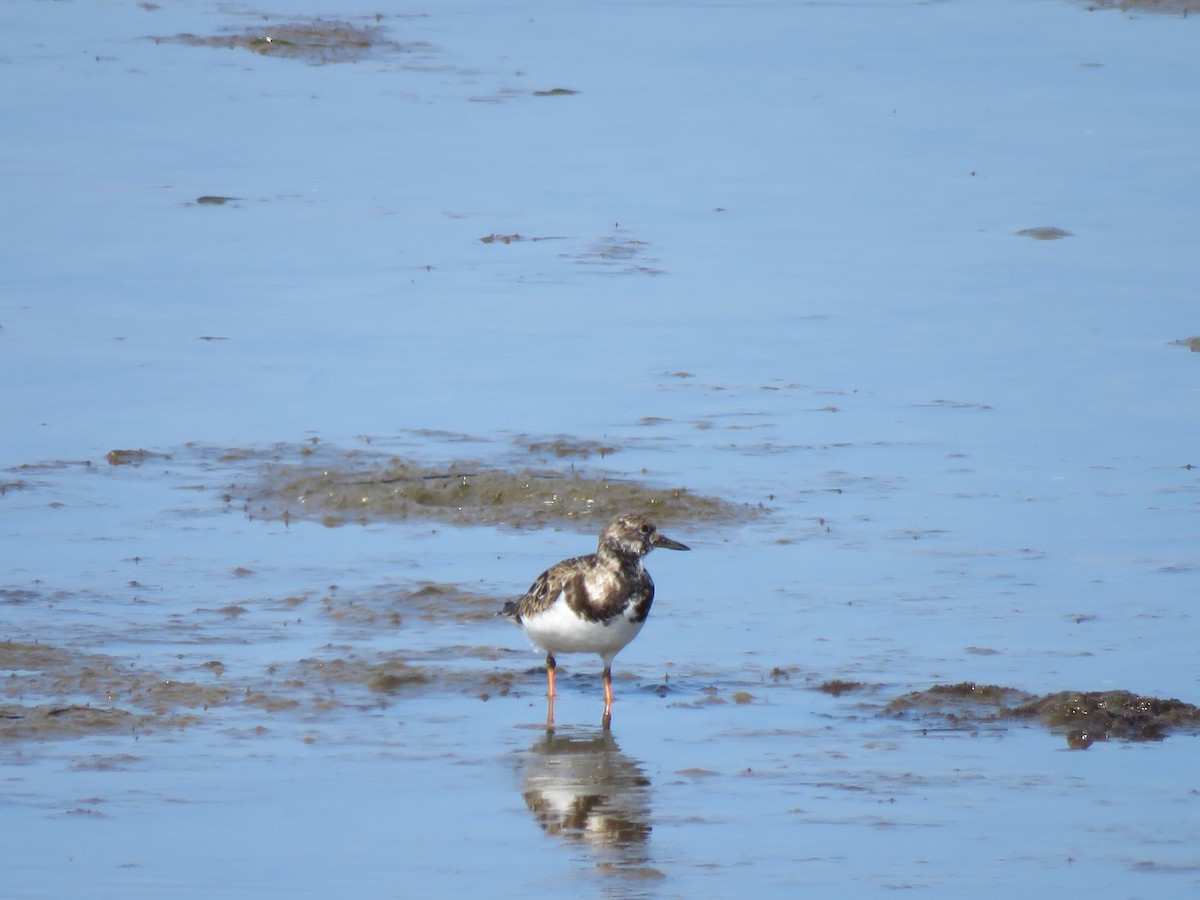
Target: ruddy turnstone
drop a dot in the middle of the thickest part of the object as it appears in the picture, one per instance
(593, 604)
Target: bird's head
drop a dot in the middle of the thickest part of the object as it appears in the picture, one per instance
(634, 535)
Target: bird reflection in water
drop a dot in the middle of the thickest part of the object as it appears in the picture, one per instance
(580, 787)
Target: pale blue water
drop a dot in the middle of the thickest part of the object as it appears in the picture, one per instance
(975, 446)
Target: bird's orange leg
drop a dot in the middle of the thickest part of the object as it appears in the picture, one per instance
(606, 719)
(550, 666)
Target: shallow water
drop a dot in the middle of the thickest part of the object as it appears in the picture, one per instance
(789, 257)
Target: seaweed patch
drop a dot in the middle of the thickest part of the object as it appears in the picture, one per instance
(1083, 717)
(465, 492)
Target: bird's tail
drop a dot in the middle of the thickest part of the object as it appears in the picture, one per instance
(509, 611)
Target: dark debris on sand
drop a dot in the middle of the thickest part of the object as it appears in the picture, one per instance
(1084, 717)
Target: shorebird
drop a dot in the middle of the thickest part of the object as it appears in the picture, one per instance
(593, 604)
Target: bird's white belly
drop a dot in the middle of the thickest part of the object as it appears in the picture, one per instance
(560, 630)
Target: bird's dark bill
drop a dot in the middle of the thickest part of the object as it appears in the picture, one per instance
(668, 544)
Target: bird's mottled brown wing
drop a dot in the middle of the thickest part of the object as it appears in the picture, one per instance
(633, 591)
(566, 575)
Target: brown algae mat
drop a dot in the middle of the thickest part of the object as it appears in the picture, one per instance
(314, 41)
(49, 691)
(1082, 716)
(468, 493)
(541, 482)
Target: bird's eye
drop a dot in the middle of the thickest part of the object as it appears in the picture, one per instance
(646, 528)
